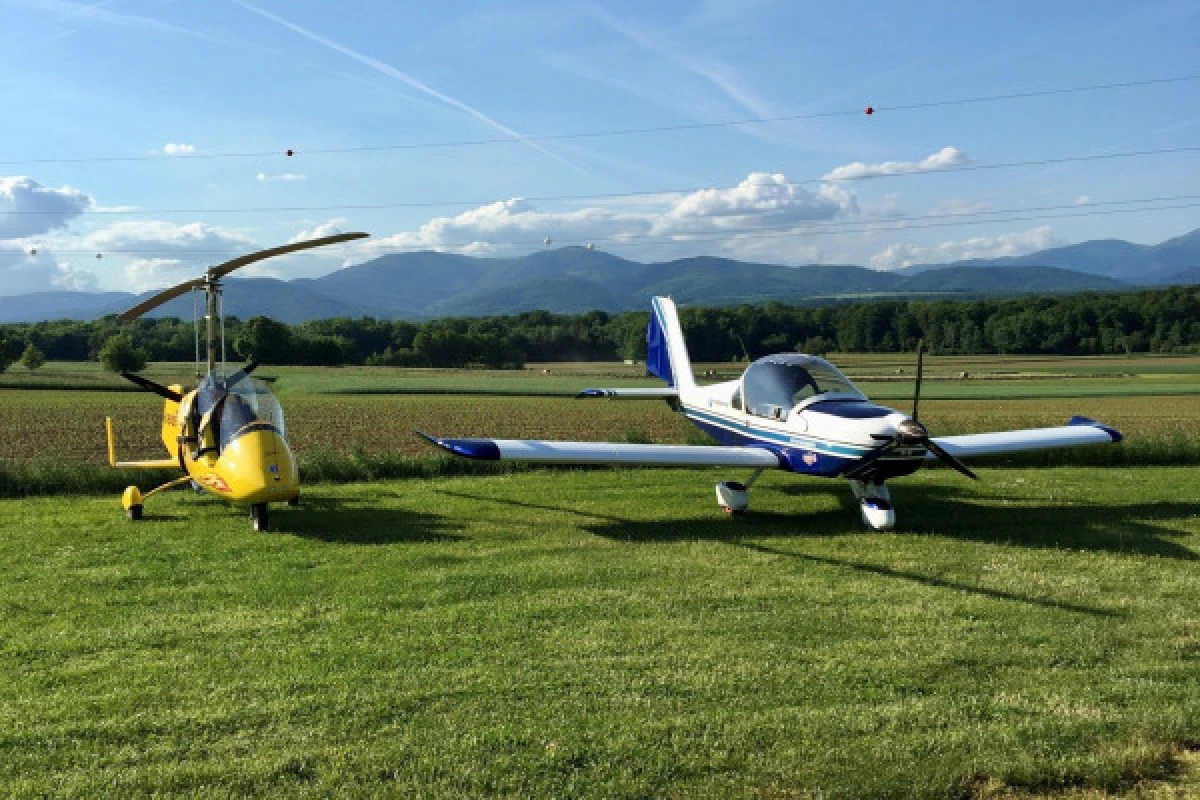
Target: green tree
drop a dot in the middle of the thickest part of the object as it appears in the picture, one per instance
(120, 355)
(32, 358)
(264, 340)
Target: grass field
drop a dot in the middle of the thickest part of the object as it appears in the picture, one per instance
(608, 634)
(605, 633)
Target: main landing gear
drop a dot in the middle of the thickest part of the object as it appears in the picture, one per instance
(875, 503)
(734, 497)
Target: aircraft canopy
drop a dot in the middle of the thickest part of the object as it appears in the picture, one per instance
(775, 384)
(238, 400)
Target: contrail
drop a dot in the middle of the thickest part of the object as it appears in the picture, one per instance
(404, 77)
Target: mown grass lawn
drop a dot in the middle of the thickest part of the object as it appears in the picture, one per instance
(607, 633)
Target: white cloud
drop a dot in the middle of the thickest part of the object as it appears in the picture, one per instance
(942, 159)
(163, 253)
(761, 200)
(283, 177)
(152, 273)
(74, 279)
(179, 149)
(28, 209)
(900, 254)
(331, 228)
(1083, 200)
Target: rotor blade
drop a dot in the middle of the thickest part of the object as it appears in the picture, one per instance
(949, 459)
(151, 386)
(159, 299)
(920, 371)
(241, 261)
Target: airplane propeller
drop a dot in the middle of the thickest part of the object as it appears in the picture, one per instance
(151, 386)
(912, 433)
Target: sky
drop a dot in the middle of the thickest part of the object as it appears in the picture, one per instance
(143, 140)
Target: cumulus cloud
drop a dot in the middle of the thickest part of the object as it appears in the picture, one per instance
(283, 177)
(900, 255)
(761, 200)
(942, 159)
(173, 252)
(74, 279)
(28, 209)
(331, 228)
(178, 149)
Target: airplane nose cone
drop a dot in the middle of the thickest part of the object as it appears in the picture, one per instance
(910, 431)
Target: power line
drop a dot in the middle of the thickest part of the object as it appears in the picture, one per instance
(613, 132)
(799, 230)
(620, 195)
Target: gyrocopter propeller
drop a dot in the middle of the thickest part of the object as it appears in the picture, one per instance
(228, 433)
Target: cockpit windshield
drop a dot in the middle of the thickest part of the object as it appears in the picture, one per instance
(776, 384)
(238, 402)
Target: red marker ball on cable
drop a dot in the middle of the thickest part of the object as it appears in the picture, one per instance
(870, 110)
(290, 152)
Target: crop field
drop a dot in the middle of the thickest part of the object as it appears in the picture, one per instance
(607, 633)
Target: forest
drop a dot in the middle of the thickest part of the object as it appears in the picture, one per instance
(1159, 321)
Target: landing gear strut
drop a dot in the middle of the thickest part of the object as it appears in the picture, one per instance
(258, 517)
(875, 503)
(734, 497)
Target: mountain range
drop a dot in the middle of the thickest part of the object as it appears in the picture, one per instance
(426, 285)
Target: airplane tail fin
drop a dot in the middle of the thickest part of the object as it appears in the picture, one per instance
(666, 353)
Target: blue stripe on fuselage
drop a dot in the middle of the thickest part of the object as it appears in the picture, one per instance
(753, 435)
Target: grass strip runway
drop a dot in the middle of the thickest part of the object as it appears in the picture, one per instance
(607, 634)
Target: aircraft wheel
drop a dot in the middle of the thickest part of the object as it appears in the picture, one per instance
(258, 517)
(134, 512)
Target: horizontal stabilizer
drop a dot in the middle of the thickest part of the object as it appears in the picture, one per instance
(661, 455)
(631, 393)
(1079, 431)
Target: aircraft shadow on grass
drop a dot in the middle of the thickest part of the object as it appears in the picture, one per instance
(330, 520)
(946, 511)
(935, 510)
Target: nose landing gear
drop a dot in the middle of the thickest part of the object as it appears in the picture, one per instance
(875, 504)
(258, 517)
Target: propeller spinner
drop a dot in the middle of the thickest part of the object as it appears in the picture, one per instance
(912, 433)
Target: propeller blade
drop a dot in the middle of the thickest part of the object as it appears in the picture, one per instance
(869, 460)
(160, 298)
(229, 266)
(241, 373)
(950, 460)
(920, 371)
(151, 386)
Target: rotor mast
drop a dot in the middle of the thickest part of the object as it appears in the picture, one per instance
(212, 290)
(211, 283)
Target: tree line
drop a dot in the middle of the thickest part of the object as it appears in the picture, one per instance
(1158, 321)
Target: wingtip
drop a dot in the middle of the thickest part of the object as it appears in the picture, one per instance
(478, 449)
(1112, 432)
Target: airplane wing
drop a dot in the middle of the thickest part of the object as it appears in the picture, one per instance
(638, 393)
(1078, 431)
(660, 455)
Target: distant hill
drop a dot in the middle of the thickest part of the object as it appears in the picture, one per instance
(1113, 258)
(574, 279)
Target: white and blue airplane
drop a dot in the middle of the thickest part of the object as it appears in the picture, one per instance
(790, 411)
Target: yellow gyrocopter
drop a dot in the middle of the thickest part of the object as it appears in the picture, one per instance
(227, 434)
